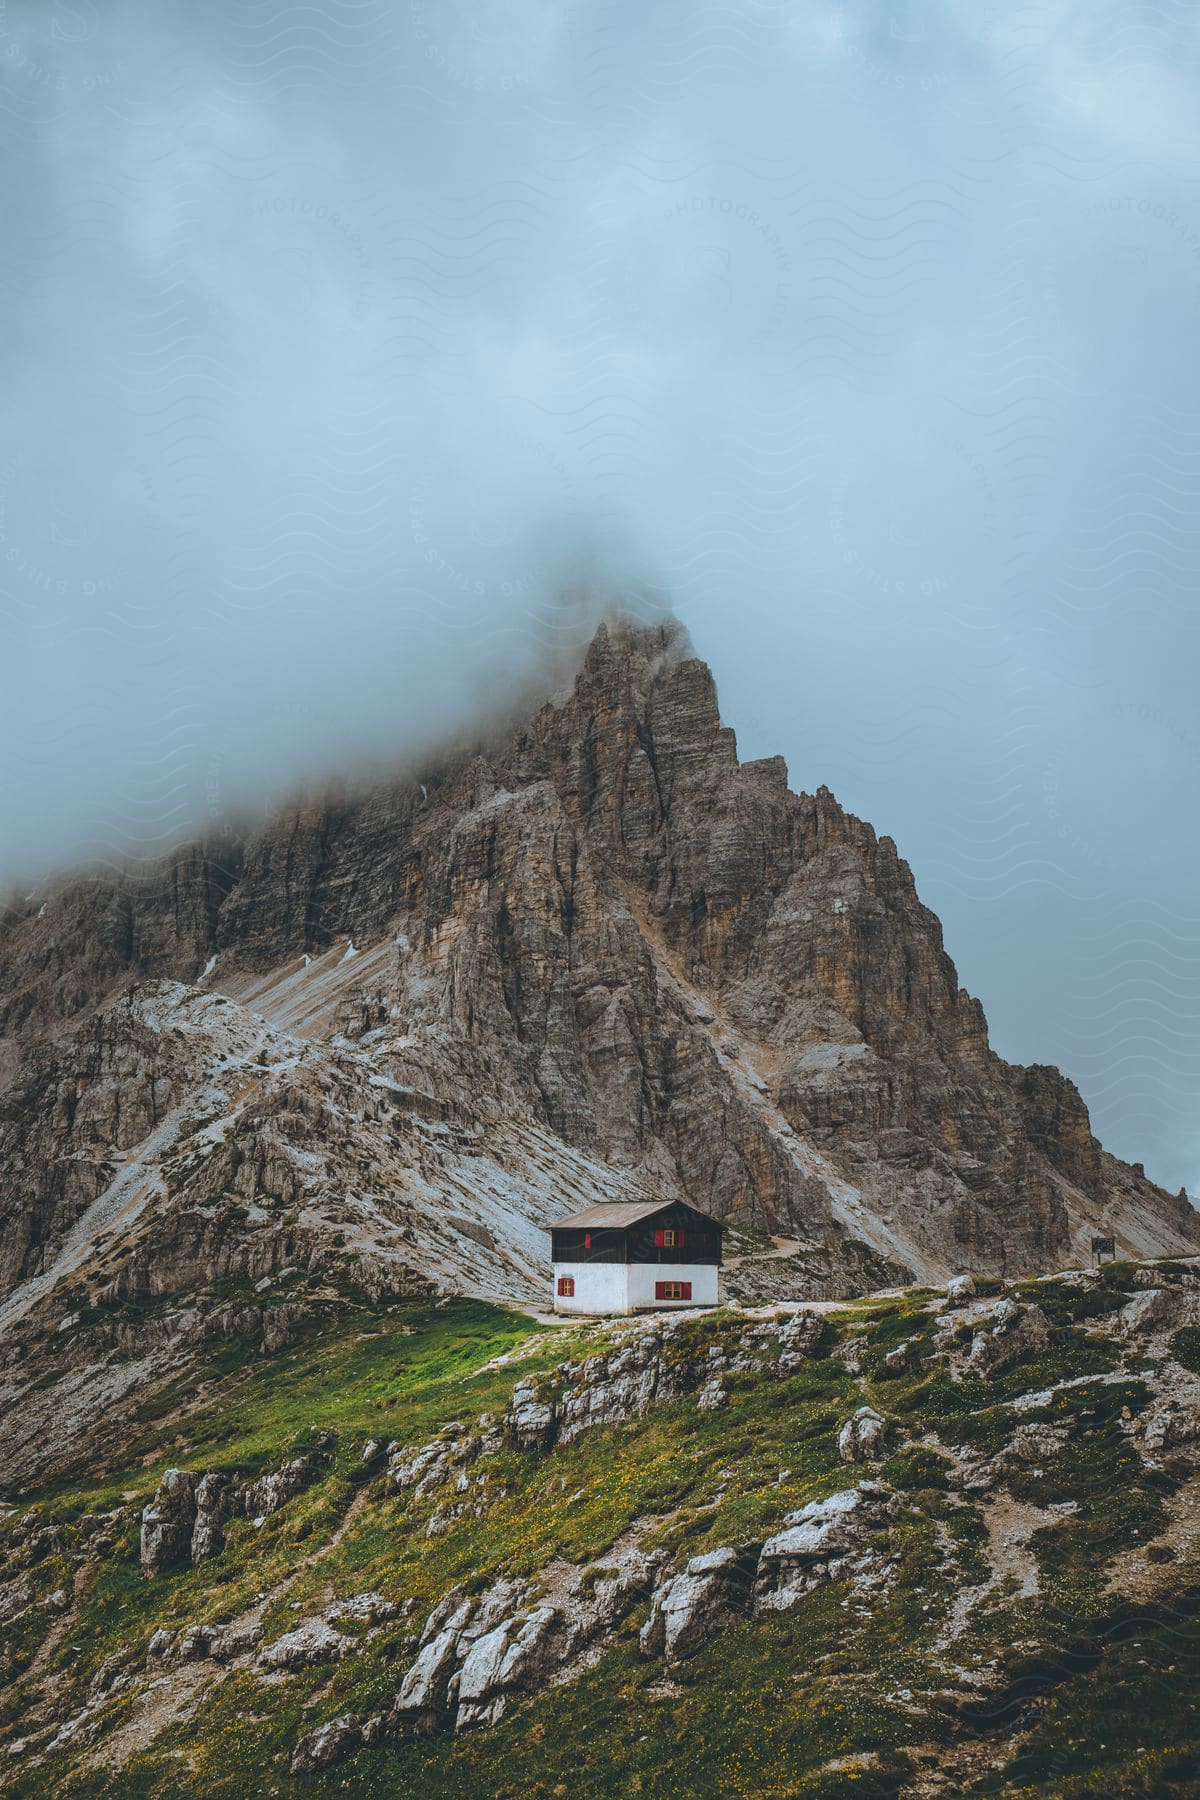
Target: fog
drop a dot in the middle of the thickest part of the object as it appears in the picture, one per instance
(356, 356)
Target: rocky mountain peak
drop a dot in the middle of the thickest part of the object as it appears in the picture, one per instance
(607, 955)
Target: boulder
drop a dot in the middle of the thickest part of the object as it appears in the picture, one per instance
(1169, 1422)
(864, 1437)
(423, 1690)
(712, 1396)
(369, 1606)
(208, 1535)
(899, 1360)
(529, 1422)
(312, 1641)
(231, 1641)
(686, 1609)
(1157, 1309)
(839, 1534)
(168, 1521)
(960, 1289)
(1016, 1332)
(798, 1338)
(195, 1643)
(259, 1499)
(329, 1743)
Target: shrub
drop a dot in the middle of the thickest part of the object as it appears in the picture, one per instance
(1185, 1348)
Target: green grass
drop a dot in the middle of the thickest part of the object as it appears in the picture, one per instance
(1185, 1348)
(770, 1704)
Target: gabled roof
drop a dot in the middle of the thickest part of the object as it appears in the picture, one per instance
(631, 1213)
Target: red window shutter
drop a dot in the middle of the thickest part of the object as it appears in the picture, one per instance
(587, 1240)
(660, 1238)
(660, 1289)
(685, 1290)
(566, 1286)
(679, 1240)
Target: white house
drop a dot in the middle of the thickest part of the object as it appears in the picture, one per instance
(636, 1258)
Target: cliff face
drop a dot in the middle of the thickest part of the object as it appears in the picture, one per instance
(692, 977)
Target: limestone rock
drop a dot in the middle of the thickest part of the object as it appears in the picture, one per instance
(168, 1522)
(841, 1534)
(1158, 1310)
(687, 1608)
(369, 1607)
(329, 1743)
(15, 1598)
(581, 917)
(898, 1360)
(1168, 1422)
(312, 1641)
(798, 1338)
(208, 1536)
(423, 1689)
(186, 1518)
(1014, 1334)
(863, 1438)
(530, 1421)
(230, 1641)
(160, 1645)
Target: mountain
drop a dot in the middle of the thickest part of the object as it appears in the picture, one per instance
(392, 1035)
(298, 1500)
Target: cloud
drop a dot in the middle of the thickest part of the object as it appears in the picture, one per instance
(345, 340)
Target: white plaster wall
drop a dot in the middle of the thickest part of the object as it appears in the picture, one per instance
(599, 1288)
(643, 1277)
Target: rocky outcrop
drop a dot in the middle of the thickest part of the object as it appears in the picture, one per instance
(654, 1365)
(477, 1655)
(842, 1536)
(311, 1641)
(169, 1522)
(863, 1438)
(1012, 1334)
(688, 1608)
(185, 1520)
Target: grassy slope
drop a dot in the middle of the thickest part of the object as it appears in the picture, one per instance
(1106, 1697)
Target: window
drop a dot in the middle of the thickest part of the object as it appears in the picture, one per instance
(566, 1287)
(672, 1290)
(668, 1239)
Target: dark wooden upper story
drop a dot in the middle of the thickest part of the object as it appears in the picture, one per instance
(650, 1232)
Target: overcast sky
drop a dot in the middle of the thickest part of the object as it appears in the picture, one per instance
(340, 339)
